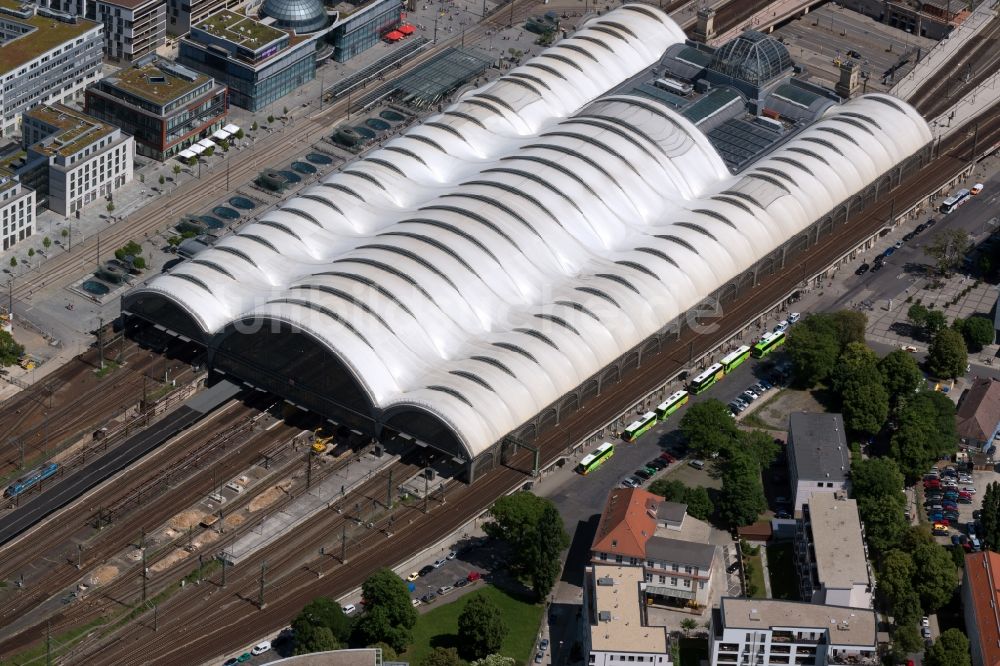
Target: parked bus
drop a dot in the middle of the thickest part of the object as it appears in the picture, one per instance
(592, 461)
(953, 202)
(705, 380)
(732, 361)
(672, 404)
(768, 344)
(638, 428)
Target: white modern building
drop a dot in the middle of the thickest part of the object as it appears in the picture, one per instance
(616, 613)
(456, 282)
(17, 211)
(819, 460)
(766, 632)
(831, 555)
(132, 28)
(86, 159)
(45, 56)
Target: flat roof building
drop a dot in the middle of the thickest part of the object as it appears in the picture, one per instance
(767, 631)
(182, 14)
(830, 553)
(84, 159)
(45, 56)
(259, 63)
(616, 613)
(165, 106)
(980, 603)
(819, 460)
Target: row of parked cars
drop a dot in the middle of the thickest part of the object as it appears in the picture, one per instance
(944, 490)
(879, 260)
(740, 404)
(648, 470)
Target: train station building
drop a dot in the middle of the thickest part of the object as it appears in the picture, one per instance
(485, 273)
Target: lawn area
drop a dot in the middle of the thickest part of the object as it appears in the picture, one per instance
(781, 570)
(439, 627)
(757, 577)
(693, 651)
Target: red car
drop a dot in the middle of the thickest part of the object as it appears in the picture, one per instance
(473, 576)
(932, 483)
(669, 458)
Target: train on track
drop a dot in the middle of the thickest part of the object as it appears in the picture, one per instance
(31, 479)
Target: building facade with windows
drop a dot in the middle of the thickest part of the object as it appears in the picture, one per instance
(85, 159)
(165, 106)
(830, 553)
(365, 28)
(819, 460)
(17, 211)
(182, 14)
(618, 633)
(132, 28)
(768, 632)
(258, 62)
(46, 56)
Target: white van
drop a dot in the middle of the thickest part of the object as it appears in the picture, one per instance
(697, 464)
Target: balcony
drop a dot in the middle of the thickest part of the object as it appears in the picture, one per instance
(858, 659)
(726, 659)
(729, 647)
(781, 649)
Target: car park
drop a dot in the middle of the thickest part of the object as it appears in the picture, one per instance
(261, 648)
(965, 500)
(425, 570)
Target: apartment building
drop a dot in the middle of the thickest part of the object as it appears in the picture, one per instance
(819, 460)
(45, 56)
(618, 633)
(981, 604)
(768, 632)
(675, 571)
(132, 28)
(84, 158)
(830, 553)
(182, 14)
(17, 211)
(165, 106)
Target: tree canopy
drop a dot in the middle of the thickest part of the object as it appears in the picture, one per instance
(977, 331)
(877, 485)
(900, 374)
(481, 628)
(10, 349)
(947, 248)
(389, 615)
(320, 625)
(950, 649)
(925, 432)
(859, 382)
(709, 428)
(442, 656)
(533, 527)
(699, 504)
(990, 516)
(937, 580)
(816, 342)
(948, 356)
(741, 499)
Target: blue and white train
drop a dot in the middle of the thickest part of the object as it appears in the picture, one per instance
(31, 479)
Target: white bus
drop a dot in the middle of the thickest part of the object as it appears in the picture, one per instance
(953, 202)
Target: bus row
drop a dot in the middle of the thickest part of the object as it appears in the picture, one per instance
(701, 383)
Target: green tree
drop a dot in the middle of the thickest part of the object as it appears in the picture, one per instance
(950, 649)
(388, 654)
(925, 432)
(315, 639)
(947, 248)
(534, 529)
(760, 445)
(699, 504)
(46, 242)
(270, 119)
(742, 499)
(64, 233)
(13, 262)
(876, 477)
(900, 374)
(240, 133)
(990, 516)
(10, 350)
(865, 401)
(442, 656)
(139, 263)
(481, 628)
(494, 660)
(177, 169)
(917, 316)
(669, 489)
(813, 351)
(895, 585)
(849, 325)
(977, 332)
(209, 151)
(937, 580)
(325, 612)
(253, 126)
(709, 428)
(688, 625)
(162, 179)
(947, 356)
(906, 639)
(389, 615)
(31, 251)
(877, 485)
(935, 322)
(111, 206)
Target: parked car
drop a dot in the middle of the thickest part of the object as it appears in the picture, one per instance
(428, 598)
(636, 480)
(539, 657)
(669, 457)
(766, 385)
(643, 474)
(425, 570)
(751, 396)
(348, 609)
(968, 489)
(782, 515)
(629, 483)
(543, 644)
(451, 555)
(473, 576)
(446, 589)
(782, 326)
(461, 582)
(888, 252)
(976, 189)
(732, 568)
(261, 648)
(956, 539)
(697, 464)
(862, 269)
(793, 317)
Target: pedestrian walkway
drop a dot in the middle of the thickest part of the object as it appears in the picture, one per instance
(945, 49)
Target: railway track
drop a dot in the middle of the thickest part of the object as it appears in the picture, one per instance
(966, 71)
(226, 620)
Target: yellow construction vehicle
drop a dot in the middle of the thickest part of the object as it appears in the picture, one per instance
(321, 439)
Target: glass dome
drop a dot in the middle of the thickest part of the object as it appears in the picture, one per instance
(752, 57)
(298, 15)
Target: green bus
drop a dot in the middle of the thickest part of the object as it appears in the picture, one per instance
(638, 428)
(732, 361)
(707, 379)
(768, 344)
(592, 461)
(672, 404)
